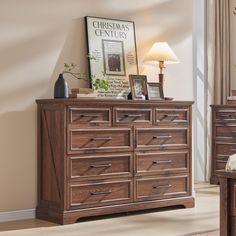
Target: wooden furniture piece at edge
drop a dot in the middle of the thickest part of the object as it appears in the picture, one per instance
(99, 157)
(227, 202)
(223, 137)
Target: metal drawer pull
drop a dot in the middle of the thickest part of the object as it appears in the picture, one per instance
(89, 115)
(221, 161)
(133, 115)
(102, 139)
(101, 165)
(233, 149)
(161, 137)
(175, 115)
(100, 193)
(162, 186)
(162, 162)
(224, 115)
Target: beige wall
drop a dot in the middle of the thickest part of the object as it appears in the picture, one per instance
(37, 37)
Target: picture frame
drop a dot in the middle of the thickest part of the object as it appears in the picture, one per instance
(155, 91)
(138, 86)
(111, 46)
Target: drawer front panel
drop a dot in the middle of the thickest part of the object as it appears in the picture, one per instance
(160, 138)
(125, 116)
(171, 117)
(221, 163)
(226, 115)
(100, 166)
(226, 134)
(225, 149)
(90, 116)
(162, 162)
(159, 188)
(96, 194)
(98, 139)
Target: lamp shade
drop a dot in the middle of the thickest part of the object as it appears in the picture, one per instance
(161, 51)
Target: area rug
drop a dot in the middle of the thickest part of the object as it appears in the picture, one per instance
(206, 233)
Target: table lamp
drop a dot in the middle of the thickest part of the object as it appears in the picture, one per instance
(161, 52)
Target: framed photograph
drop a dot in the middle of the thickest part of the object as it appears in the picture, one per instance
(138, 84)
(112, 54)
(155, 91)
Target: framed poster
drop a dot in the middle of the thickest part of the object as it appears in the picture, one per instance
(112, 54)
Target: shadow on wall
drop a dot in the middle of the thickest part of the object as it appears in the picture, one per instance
(74, 50)
(17, 159)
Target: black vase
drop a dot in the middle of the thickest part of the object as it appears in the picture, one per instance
(61, 89)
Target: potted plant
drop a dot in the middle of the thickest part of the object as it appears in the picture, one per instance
(61, 89)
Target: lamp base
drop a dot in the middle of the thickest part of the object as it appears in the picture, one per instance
(161, 79)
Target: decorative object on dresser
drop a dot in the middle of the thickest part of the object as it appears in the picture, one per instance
(223, 137)
(61, 89)
(100, 157)
(138, 85)
(155, 91)
(162, 53)
(113, 45)
(227, 181)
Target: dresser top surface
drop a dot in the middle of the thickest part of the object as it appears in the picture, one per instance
(68, 101)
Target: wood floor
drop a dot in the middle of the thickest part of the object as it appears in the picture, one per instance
(205, 216)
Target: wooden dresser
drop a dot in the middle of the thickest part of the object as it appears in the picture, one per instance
(227, 181)
(107, 156)
(223, 137)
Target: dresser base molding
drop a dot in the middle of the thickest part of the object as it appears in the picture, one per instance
(70, 217)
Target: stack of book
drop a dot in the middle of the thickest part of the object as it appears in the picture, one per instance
(83, 93)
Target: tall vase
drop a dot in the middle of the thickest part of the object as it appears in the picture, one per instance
(61, 89)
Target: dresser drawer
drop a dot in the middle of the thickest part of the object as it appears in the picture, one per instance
(100, 166)
(226, 134)
(225, 149)
(97, 194)
(128, 116)
(159, 188)
(91, 140)
(89, 116)
(171, 117)
(162, 162)
(225, 115)
(149, 138)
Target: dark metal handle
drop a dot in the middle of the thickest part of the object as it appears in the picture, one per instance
(174, 115)
(161, 137)
(89, 115)
(224, 115)
(162, 186)
(102, 139)
(100, 193)
(100, 165)
(221, 161)
(133, 115)
(161, 162)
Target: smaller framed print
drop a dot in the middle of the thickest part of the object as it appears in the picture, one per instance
(138, 84)
(155, 91)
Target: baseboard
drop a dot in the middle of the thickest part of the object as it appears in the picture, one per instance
(17, 215)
